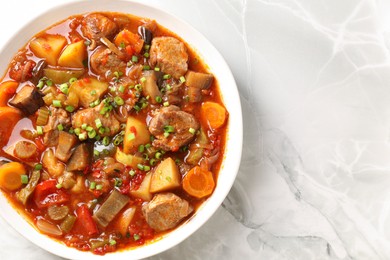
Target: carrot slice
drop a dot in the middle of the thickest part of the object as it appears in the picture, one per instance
(7, 90)
(10, 176)
(214, 113)
(198, 182)
(8, 118)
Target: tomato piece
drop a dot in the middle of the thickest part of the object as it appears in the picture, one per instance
(85, 223)
(47, 194)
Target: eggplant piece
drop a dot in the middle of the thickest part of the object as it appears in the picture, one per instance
(196, 150)
(145, 34)
(26, 192)
(37, 72)
(196, 82)
(28, 99)
(66, 142)
(80, 158)
(51, 138)
(150, 87)
(110, 208)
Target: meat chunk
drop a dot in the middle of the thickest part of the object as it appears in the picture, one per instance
(110, 208)
(104, 61)
(170, 55)
(177, 124)
(90, 115)
(57, 116)
(51, 138)
(80, 159)
(28, 99)
(94, 26)
(165, 211)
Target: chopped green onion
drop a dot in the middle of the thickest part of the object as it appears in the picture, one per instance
(64, 88)
(182, 79)
(158, 99)
(140, 166)
(147, 47)
(168, 87)
(59, 185)
(40, 130)
(132, 173)
(24, 178)
(146, 55)
(118, 100)
(92, 185)
(98, 123)
(156, 69)
(83, 136)
(152, 162)
(134, 58)
(40, 84)
(166, 134)
(106, 140)
(99, 187)
(71, 131)
(72, 80)
(93, 92)
(118, 182)
(146, 67)
(136, 237)
(87, 42)
(101, 130)
(141, 148)
(169, 129)
(192, 130)
(89, 128)
(138, 87)
(60, 127)
(122, 45)
(92, 134)
(146, 168)
(38, 167)
(143, 79)
(166, 76)
(69, 108)
(158, 155)
(121, 88)
(57, 103)
(166, 103)
(112, 242)
(77, 131)
(131, 136)
(118, 140)
(84, 126)
(96, 153)
(147, 146)
(49, 83)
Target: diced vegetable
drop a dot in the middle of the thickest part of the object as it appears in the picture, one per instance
(128, 38)
(136, 133)
(110, 208)
(47, 194)
(196, 82)
(37, 72)
(196, 150)
(57, 212)
(48, 47)
(73, 55)
(48, 228)
(143, 192)
(50, 138)
(165, 177)
(149, 86)
(125, 219)
(80, 159)
(112, 47)
(67, 180)
(8, 117)
(7, 90)
(43, 116)
(67, 224)
(24, 194)
(87, 90)
(54, 167)
(128, 159)
(28, 100)
(214, 114)
(66, 142)
(198, 182)
(10, 175)
(48, 99)
(59, 76)
(85, 221)
(25, 150)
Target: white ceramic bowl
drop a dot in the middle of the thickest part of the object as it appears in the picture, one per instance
(230, 96)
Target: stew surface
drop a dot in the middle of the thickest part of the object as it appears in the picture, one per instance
(112, 131)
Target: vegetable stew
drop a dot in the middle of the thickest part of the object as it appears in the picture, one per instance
(112, 131)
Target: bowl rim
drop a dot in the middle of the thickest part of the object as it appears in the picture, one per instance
(234, 138)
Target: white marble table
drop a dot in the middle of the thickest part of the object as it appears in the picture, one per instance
(314, 78)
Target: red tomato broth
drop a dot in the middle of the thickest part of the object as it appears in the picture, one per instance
(139, 232)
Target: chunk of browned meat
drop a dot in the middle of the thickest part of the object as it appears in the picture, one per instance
(66, 142)
(94, 26)
(90, 115)
(57, 116)
(28, 99)
(165, 211)
(110, 208)
(170, 55)
(51, 138)
(104, 62)
(177, 123)
(80, 159)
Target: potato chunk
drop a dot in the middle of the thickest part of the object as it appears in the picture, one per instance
(48, 47)
(143, 192)
(165, 177)
(136, 133)
(73, 55)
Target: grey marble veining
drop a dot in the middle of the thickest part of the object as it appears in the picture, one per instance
(314, 80)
